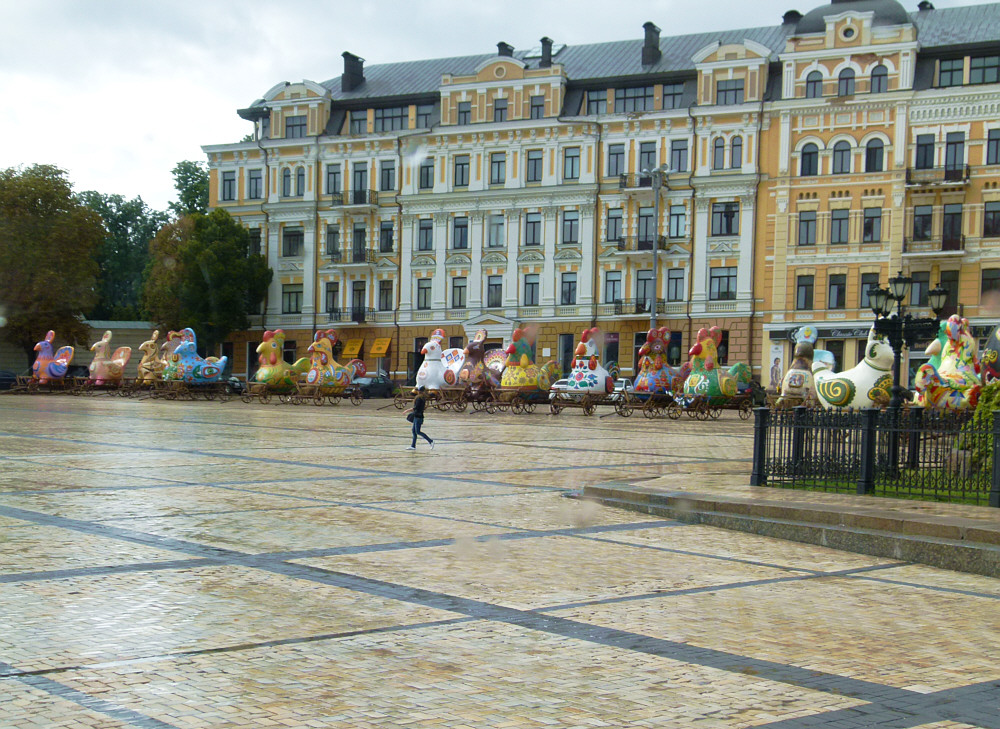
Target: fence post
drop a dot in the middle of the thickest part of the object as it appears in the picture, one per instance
(913, 447)
(798, 436)
(758, 476)
(866, 478)
(995, 476)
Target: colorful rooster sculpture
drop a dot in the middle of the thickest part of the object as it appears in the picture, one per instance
(167, 349)
(274, 372)
(520, 371)
(107, 368)
(333, 378)
(186, 365)
(990, 359)
(475, 370)
(655, 375)
(707, 379)
(150, 366)
(441, 367)
(49, 366)
(798, 387)
(867, 385)
(588, 375)
(955, 385)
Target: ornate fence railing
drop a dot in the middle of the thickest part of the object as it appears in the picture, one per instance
(910, 453)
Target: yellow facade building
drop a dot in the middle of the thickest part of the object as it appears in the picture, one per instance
(518, 186)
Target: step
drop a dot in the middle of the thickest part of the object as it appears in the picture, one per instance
(953, 543)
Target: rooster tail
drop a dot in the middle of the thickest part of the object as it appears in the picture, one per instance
(357, 368)
(301, 365)
(613, 370)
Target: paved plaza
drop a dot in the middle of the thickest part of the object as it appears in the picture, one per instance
(185, 565)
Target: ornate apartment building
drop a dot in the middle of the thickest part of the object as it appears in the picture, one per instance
(486, 191)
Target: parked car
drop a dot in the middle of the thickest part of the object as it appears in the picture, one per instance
(7, 379)
(558, 386)
(622, 386)
(235, 386)
(78, 370)
(376, 386)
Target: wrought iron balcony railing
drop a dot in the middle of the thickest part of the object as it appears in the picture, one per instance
(355, 197)
(947, 175)
(624, 307)
(640, 243)
(945, 244)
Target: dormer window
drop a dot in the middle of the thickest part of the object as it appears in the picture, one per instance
(295, 127)
(359, 121)
(537, 110)
(984, 70)
(845, 84)
(499, 110)
(464, 113)
(597, 102)
(951, 72)
(392, 119)
(637, 98)
(672, 94)
(729, 92)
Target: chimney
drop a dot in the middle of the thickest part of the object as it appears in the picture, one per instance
(791, 17)
(505, 49)
(546, 61)
(651, 45)
(354, 72)
(925, 5)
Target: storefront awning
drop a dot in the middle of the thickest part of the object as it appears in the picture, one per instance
(381, 347)
(352, 347)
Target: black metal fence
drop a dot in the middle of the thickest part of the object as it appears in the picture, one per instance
(912, 453)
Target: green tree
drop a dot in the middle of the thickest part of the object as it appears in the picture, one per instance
(202, 275)
(48, 270)
(123, 255)
(191, 183)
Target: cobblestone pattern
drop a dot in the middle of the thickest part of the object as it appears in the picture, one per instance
(186, 565)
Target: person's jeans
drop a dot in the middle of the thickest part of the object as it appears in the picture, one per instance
(417, 423)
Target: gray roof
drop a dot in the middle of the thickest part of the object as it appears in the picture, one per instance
(620, 60)
(887, 12)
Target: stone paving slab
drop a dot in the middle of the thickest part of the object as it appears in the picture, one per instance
(265, 573)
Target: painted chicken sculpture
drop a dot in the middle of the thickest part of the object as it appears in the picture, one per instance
(867, 385)
(588, 375)
(441, 367)
(107, 368)
(655, 375)
(49, 366)
(151, 365)
(481, 367)
(332, 377)
(707, 379)
(520, 371)
(274, 371)
(186, 365)
(956, 383)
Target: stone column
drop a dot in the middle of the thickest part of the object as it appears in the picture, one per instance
(699, 276)
(476, 281)
(439, 289)
(512, 229)
(550, 233)
(406, 236)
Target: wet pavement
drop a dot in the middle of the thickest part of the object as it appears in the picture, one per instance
(173, 564)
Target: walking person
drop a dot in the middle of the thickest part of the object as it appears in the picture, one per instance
(417, 418)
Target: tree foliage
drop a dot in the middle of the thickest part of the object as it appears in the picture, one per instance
(48, 270)
(191, 183)
(123, 255)
(201, 275)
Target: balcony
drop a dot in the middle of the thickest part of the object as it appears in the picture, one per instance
(355, 197)
(937, 176)
(360, 255)
(634, 181)
(639, 244)
(951, 244)
(628, 307)
(357, 314)
(335, 256)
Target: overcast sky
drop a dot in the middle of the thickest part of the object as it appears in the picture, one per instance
(118, 91)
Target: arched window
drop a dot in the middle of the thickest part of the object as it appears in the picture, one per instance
(719, 154)
(286, 182)
(814, 85)
(845, 86)
(880, 79)
(874, 154)
(841, 158)
(300, 181)
(736, 153)
(809, 162)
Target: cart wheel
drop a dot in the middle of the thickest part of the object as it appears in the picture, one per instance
(319, 399)
(357, 398)
(246, 397)
(529, 407)
(478, 405)
(443, 405)
(589, 408)
(490, 407)
(517, 404)
(715, 412)
(674, 410)
(265, 398)
(460, 405)
(209, 395)
(556, 408)
(701, 412)
(399, 401)
(746, 410)
(224, 395)
(284, 398)
(649, 411)
(623, 408)
(170, 395)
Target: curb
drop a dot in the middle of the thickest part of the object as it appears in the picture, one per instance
(938, 542)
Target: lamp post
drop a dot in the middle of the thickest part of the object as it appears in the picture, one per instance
(658, 178)
(900, 328)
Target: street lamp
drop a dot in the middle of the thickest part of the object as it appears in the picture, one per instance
(900, 328)
(658, 178)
